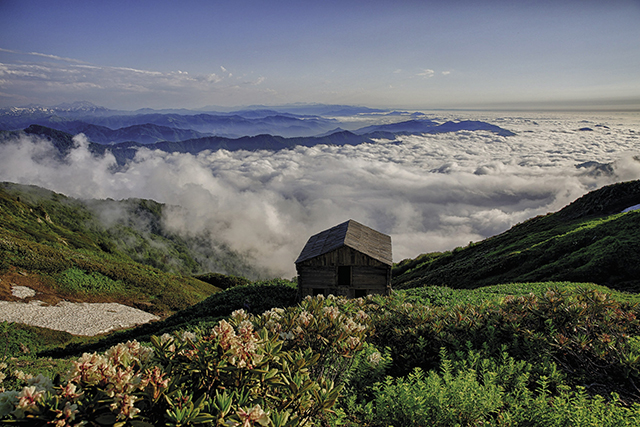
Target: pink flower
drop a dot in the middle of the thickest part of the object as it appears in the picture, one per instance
(255, 414)
(29, 398)
(69, 391)
(66, 415)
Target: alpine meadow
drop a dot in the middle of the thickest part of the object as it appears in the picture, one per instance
(320, 214)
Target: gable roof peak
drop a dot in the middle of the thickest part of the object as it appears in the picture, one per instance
(352, 234)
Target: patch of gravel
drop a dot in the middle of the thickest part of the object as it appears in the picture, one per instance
(22, 291)
(76, 318)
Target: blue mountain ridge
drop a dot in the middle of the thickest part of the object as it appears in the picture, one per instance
(124, 151)
(431, 127)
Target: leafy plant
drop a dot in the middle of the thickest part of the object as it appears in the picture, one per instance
(475, 391)
(440, 399)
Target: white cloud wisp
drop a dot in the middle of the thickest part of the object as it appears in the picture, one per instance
(44, 82)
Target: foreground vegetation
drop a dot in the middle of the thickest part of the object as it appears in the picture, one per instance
(541, 354)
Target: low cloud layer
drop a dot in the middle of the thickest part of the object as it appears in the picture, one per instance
(430, 193)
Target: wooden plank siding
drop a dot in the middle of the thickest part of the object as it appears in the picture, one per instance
(342, 256)
(367, 274)
(369, 277)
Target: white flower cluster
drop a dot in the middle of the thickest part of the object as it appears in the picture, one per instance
(331, 312)
(116, 373)
(350, 326)
(243, 345)
(374, 358)
(27, 400)
(273, 318)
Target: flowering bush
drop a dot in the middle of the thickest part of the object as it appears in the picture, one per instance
(584, 333)
(281, 368)
(335, 328)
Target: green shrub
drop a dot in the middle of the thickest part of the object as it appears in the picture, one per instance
(75, 281)
(568, 408)
(583, 332)
(495, 394)
(437, 399)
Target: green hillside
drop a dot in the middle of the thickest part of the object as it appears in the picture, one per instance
(57, 246)
(589, 240)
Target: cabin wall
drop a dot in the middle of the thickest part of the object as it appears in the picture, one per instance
(368, 277)
(365, 275)
(343, 256)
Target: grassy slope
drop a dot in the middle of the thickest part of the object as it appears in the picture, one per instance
(587, 241)
(136, 228)
(53, 244)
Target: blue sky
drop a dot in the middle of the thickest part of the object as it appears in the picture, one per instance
(401, 54)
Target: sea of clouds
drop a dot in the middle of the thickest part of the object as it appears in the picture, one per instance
(430, 193)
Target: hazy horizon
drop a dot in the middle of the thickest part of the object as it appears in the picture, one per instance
(614, 106)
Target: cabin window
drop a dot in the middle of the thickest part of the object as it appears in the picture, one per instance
(344, 275)
(318, 291)
(360, 293)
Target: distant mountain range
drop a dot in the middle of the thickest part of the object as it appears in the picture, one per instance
(187, 131)
(413, 127)
(324, 110)
(117, 127)
(142, 133)
(104, 126)
(123, 151)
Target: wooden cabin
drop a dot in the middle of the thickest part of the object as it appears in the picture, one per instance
(349, 260)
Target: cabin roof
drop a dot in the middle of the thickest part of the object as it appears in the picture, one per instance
(352, 234)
